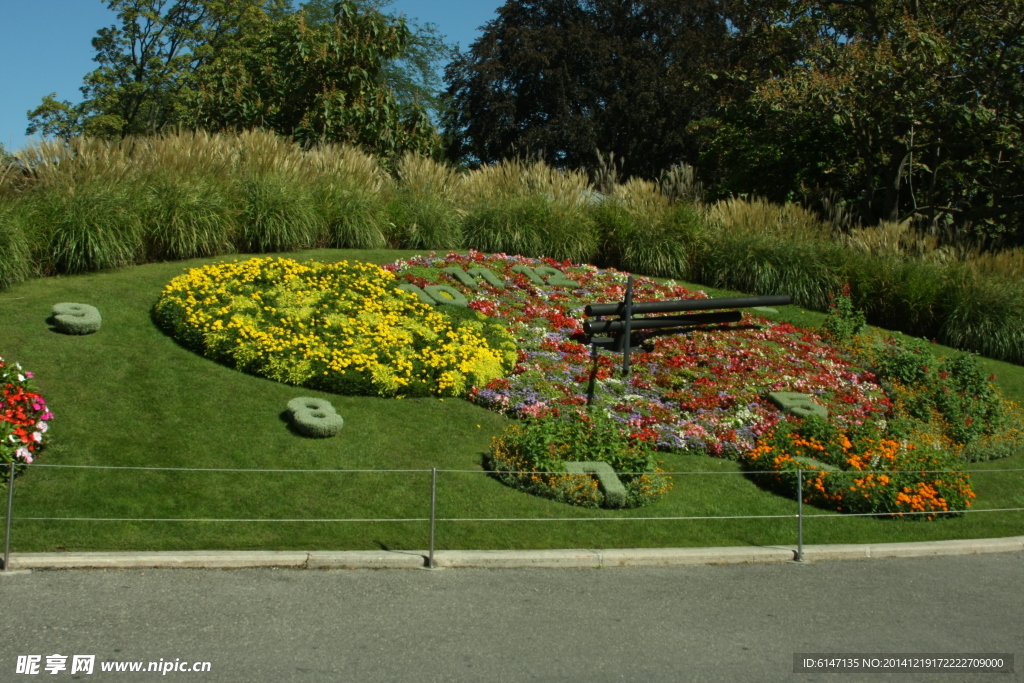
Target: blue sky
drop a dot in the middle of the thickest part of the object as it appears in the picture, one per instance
(45, 46)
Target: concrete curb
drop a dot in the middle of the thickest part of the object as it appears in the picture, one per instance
(504, 559)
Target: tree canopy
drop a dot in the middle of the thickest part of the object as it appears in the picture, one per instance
(562, 79)
(236, 64)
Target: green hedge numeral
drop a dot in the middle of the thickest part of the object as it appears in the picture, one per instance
(315, 417)
(607, 480)
(460, 275)
(798, 404)
(454, 296)
(487, 276)
(413, 289)
(556, 278)
(530, 273)
(76, 318)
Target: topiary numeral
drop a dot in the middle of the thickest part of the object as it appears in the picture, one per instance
(556, 278)
(487, 276)
(614, 492)
(460, 275)
(530, 273)
(315, 417)
(798, 404)
(454, 296)
(76, 318)
(420, 294)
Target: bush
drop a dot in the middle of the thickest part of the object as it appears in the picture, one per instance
(532, 456)
(347, 191)
(860, 471)
(843, 321)
(764, 249)
(529, 209)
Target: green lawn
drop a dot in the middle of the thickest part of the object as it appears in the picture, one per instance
(130, 396)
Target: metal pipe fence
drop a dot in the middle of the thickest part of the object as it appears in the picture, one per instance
(433, 519)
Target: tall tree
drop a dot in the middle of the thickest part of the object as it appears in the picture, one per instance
(236, 64)
(145, 65)
(563, 79)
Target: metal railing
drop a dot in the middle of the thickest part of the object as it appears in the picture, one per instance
(433, 519)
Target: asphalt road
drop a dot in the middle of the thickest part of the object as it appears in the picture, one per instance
(703, 623)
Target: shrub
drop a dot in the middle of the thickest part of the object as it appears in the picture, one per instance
(338, 327)
(762, 248)
(347, 191)
(24, 419)
(947, 404)
(532, 456)
(860, 471)
(187, 217)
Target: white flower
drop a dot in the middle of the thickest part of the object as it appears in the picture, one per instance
(37, 437)
(21, 378)
(24, 454)
(13, 438)
(42, 427)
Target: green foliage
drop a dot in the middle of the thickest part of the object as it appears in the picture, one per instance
(424, 205)
(146, 65)
(277, 215)
(187, 217)
(413, 73)
(643, 232)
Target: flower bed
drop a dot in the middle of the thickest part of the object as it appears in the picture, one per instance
(698, 391)
(23, 418)
(341, 327)
(701, 391)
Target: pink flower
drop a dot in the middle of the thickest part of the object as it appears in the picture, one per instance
(42, 427)
(24, 454)
(37, 437)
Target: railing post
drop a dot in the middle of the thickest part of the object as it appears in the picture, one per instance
(626, 324)
(799, 515)
(7, 525)
(433, 513)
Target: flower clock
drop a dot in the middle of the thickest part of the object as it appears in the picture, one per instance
(24, 417)
(704, 391)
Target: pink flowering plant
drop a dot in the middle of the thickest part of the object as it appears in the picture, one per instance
(698, 391)
(24, 417)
